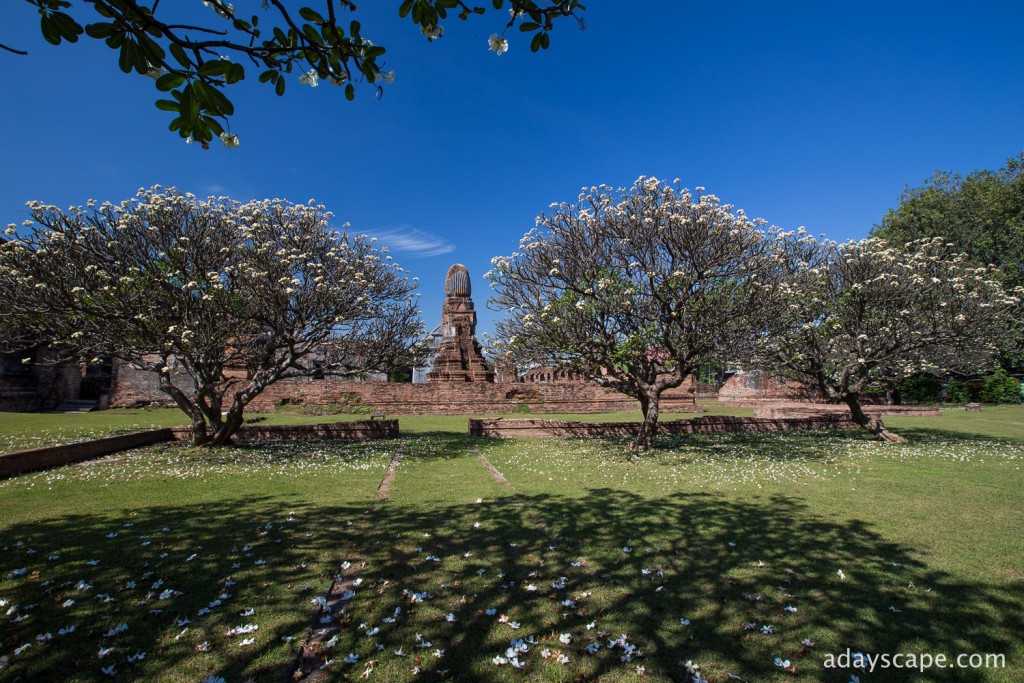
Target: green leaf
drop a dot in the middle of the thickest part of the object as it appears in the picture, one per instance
(126, 60)
(49, 30)
(269, 75)
(545, 40)
(404, 8)
(169, 81)
(213, 125)
(279, 86)
(535, 43)
(67, 27)
(189, 107)
(527, 26)
(214, 67)
(312, 35)
(350, 92)
(497, 4)
(179, 54)
(309, 14)
(99, 31)
(212, 99)
(167, 105)
(235, 73)
(152, 50)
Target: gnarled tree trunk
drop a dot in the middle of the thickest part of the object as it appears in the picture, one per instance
(649, 428)
(872, 424)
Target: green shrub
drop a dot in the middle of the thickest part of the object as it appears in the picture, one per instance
(999, 387)
(921, 388)
(958, 391)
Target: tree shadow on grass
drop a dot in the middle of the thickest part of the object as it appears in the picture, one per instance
(703, 550)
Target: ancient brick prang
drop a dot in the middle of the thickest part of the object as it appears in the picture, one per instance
(460, 358)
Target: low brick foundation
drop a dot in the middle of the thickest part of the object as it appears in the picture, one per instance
(800, 410)
(360, 430)
(699, 425)
(55, 456)
(19, 462)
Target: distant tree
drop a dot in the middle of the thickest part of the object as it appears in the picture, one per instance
(867, 315)
(636, 289)
(982, 214)
(239, 296)
(999, 387)
(195, 54)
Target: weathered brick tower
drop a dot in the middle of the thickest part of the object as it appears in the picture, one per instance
(460, 358)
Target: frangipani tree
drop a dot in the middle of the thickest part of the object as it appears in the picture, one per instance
(636, 288)
(239, 296)
(870, 314)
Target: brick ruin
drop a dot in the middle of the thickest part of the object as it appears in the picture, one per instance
(460, 357)
(757, 386)
(459, 382)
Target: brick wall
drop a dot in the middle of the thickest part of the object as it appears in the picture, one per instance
(457, 398)
(716, 424)
(136, 388)
(760, 386)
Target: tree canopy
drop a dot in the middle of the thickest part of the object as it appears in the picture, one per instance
(219, 299)
(635, 288)
(195, 55)
(868, 314)
(982, 214)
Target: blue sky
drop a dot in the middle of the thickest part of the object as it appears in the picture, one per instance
(804, 113)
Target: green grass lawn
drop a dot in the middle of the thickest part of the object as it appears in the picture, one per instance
(724, 551)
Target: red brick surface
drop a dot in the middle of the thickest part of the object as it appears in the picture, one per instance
(135, 388)
(759, 386)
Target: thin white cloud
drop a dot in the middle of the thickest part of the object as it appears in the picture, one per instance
(215, 190)
(413, 242)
